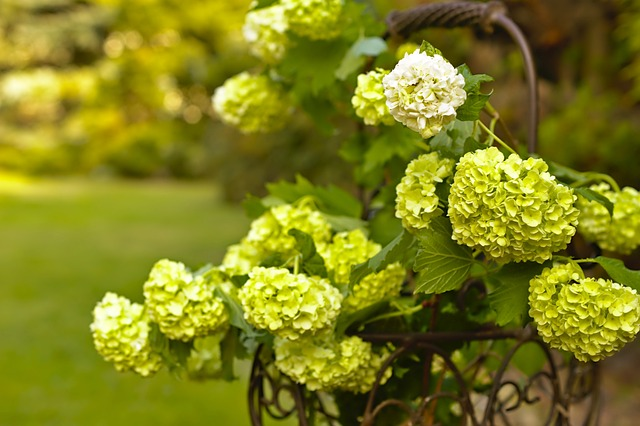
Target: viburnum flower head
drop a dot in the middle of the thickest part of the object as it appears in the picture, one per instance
(512, 210)
(252, 103)
(591, 318)
(620, 233)
(346, 250)
(375, 287)
(326, 364)
(314, 19)
(289, 305)
(369, 101)
(121, 335)
(416, 200)
(270, 232)
(265, 31)
(423, 92)
(183, 305)
(205, 358)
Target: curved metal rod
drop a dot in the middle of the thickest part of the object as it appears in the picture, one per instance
(473, 14)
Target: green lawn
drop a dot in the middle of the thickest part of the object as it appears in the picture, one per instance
(62, 246)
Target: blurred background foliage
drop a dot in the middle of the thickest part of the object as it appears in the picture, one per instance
(123, 87)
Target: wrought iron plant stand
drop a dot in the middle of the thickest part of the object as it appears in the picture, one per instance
(561, 393)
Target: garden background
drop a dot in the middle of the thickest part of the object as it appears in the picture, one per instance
(111, 158)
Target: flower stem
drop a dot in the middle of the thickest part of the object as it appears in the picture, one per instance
(497, 139)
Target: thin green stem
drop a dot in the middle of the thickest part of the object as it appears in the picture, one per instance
(399, 313)
(497, 139)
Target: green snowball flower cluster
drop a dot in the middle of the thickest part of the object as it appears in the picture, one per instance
(121, 335)
(346, 250)
(269, 232)
(511, 210)
(265, 30)
(423, 92)
(369, 101)
(289, 305)
(620, 233)
(416, 200)
(205, 358)
(314, 19)
(327, 364)
(183, 305)
(591, 318)
(375, 287)
(252, 103)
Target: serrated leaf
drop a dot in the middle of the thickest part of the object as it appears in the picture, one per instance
(564, 173)
(429, 49)
(442, 263)
(592, 195)
(470, 110)
(253, 206)
(330, 199)
(344, 223)
(259, 4)
(228, 350)
(452, 141)
(393, 141)
(472, 82)
(236, 316)
(395, 251)
(312, 263)
(510, 296)
(619, 272)
(345, 320)
(355, 57)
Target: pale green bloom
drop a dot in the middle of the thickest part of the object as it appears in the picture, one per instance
(269, 232)
(416, 201)
(314, 19)
(183, 305)
(252, 103)
(591, 318)
(375, 287)
(289, 305)
(205, 357)
(241, 258)
(121, 335)
(620, 234)
(265, 31)
(346, 250)
(369, 101)
(511, 210)
(423, 92)
(323, 363)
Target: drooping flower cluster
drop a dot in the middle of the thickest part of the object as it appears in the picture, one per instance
(324, 363)
(346, 250)
(289, 305)
(183, 305)
(121, 335)
(205, 358)
(265, 31)
(591, 318)
(375, 287)
(416, 201)
(620, 233)
(423, 92)
(511, 210)
(369, 101)
(314, 19)
(269, 232)
(252, 103)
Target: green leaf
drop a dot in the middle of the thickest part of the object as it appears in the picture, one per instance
(429, 49)
(346, 320)
(470, 110)
(619, 272)
(395, 251)
(455, 140)
(393, 141)
(253, 206)
(312, 262)
(564, 173)
(228, 349)
(330, 199)
(355, 57)
(472, 82)
(592, 195)
(236, 316)
(259, 4)
(344, 223)
(443, 264)
(510, 296)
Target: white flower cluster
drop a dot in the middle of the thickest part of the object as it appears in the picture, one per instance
(183, 305)
(265, 30)
(289, 305)
(423, 92)
(121, 335)
(323, 363)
